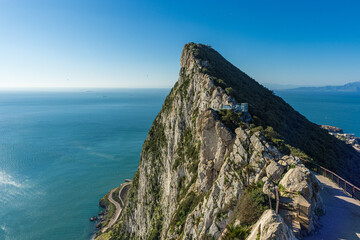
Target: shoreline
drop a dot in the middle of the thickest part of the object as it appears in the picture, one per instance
(348, 138)
(113, 203)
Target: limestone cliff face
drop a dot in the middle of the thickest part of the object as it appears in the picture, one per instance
(195, 166)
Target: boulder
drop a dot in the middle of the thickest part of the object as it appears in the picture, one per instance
(291, 160)
(271, 226)
(283, 163)
(274, 171)
(300, 179)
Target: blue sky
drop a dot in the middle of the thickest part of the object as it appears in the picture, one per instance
(87, 43)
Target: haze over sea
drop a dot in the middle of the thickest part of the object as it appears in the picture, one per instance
(60, 152)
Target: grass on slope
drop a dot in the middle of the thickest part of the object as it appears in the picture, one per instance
(110, 209)
(273, 111)
(249, 208)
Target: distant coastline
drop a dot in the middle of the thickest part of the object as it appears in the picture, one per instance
(352, 87)
(348, 138)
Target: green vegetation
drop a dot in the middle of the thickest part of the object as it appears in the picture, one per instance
(298, 153)
(230, 119)
(253, 202)
(195, 115)
(221, 214)
(167, 106)
(293, 128)
(157, 223)
(185, 207)
(274, 138)
(184, 189)
(120, 231)
(282, 188)
(251, 205)
(279, 123)
(188, 151)
(291, 166)
(237, 232)
(156, 139)
(183, 88)
(110, 208)
(230, 91)
(220, 83)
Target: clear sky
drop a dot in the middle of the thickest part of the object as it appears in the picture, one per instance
(88, 43)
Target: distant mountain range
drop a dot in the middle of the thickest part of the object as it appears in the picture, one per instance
(349, 87)
(275, 86)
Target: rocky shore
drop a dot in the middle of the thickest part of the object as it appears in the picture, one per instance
(348, 138)
(103, 218)
(112, 203)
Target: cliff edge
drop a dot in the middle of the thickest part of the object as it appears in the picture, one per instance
(207, 172)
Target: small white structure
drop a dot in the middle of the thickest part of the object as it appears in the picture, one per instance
(243, 107)
(239, 108)
(227, 107)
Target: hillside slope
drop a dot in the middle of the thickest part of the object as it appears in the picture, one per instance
(203, 173)
(352, 87)
(273, 111)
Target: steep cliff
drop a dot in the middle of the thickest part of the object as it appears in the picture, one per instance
(204, 173)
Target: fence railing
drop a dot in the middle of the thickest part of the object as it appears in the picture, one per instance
(348, 187)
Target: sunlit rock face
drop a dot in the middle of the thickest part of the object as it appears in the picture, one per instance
(271, 226)
(197, 163)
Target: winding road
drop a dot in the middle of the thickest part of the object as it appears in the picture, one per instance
(118, 208)
(342, 214)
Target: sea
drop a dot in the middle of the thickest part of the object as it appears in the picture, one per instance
(340, 109)
(61, 151)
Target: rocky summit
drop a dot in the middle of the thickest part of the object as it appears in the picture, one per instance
(212, 170)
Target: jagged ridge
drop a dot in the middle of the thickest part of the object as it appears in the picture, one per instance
(273, 111)
(194, 169)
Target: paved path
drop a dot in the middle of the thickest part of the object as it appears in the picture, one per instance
(118, 208)
(342, 214)
(123, 191)
(117, 211)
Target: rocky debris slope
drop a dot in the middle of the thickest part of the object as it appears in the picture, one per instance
(205, 174)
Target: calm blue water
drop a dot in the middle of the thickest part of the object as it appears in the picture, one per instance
(337, 109)
(61, 152)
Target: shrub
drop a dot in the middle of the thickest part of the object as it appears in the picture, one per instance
(251, 205)
(230, 119)
(230, 91)
(298, 153)
(109, 208)
(237, 233)
(185, 207)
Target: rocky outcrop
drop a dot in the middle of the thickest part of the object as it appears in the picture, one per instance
(271, 226)
(197, 163)
(274, 171)
(301, 181)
